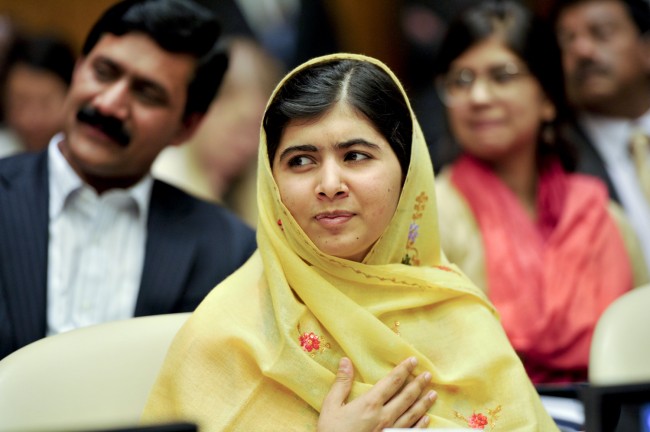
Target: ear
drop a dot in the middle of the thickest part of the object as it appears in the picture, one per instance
(189, 125)
(548, 110)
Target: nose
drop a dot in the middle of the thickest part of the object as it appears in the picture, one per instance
(113, 99)
(581, 46)
(480, 92)
(331, 184)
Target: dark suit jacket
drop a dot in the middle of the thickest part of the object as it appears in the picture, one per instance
(191, 246)
(589, 160)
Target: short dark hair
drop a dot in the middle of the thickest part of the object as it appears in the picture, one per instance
(315, 90)
(48, 53)
(177, 26)
(638, 11)
(531, 39)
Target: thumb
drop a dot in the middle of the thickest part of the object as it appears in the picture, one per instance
(342, 386)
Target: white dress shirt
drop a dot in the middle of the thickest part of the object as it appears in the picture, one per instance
(96, 248)
(611, 137)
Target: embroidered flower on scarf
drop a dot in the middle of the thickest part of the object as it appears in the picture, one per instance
(481, 421)
(477, 421)
(445, 268)
(395, 328)
(280, 224)
(309, 342)
(312, 343)
(411, 255)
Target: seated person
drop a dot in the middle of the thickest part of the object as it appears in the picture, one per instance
(38, 74)
(348, 273)
(86, 234)
(546, 245)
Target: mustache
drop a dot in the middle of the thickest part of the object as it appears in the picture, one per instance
(109, 125)
(586, 68)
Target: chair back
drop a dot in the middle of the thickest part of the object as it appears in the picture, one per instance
(90, 378)
(620, 348)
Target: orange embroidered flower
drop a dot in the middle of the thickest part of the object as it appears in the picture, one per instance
(309, 342)
(481, 421)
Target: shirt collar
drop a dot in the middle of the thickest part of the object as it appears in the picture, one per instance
(64, 181)
(610, 135)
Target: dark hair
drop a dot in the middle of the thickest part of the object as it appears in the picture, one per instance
(638, 11)
(533, 41)
(313, 91)
(44, 52)
(177, 26)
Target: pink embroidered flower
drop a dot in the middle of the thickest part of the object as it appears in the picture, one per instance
(309, 342)
(477, 421)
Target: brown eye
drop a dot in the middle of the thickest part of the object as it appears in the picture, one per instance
(356, 156)
(299, 161)
(104, 71)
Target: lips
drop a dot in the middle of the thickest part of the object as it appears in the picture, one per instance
(334, 218)
(479, 125)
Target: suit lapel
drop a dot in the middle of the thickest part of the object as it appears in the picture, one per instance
(168, 253)
(589, 161)
(24, 226)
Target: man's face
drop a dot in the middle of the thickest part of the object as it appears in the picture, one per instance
(605, 58)
(125, 105)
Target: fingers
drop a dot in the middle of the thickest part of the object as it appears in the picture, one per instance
(423, 423)
(416, 416)
(412, 402)
(391, 384)
(342, 386)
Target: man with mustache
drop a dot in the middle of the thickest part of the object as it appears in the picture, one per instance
(606, 58)
(86, 234)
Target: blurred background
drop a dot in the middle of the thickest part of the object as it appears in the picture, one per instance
(265, 39)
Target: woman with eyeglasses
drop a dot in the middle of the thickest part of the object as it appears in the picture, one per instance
(548, 247)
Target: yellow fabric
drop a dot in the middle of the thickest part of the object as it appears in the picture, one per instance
(238, 363)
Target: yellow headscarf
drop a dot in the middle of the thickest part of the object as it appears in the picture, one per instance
(262, 350)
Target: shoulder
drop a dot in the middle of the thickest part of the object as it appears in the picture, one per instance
(587, 187)
(452, 206)
(164, 195)
(209, 220)
(19, 163)
(22, 167)
(460, 235)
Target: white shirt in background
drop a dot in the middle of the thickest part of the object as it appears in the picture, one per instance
(96, 248)
(9, 143)
(610, 137)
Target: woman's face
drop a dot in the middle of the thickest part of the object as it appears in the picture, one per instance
(340, 179)
(496, 106)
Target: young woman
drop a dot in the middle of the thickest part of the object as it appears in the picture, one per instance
(547, 246)
(348, 272)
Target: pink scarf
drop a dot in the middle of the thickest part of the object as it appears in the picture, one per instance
(551, 278)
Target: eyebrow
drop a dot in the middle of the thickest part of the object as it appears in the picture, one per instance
(137, 82)
(309, 148)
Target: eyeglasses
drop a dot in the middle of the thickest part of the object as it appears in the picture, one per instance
(456, 86)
